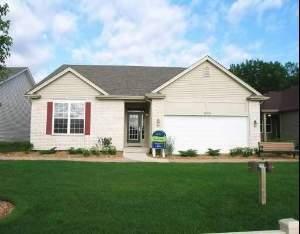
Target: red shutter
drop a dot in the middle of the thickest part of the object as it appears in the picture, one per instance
(49, 118)
(87, 130)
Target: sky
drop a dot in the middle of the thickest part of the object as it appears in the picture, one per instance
(49, 33)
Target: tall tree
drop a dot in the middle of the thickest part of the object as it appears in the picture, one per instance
(267, 76)
(5, 39)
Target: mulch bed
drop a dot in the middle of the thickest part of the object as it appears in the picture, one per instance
(5, 208)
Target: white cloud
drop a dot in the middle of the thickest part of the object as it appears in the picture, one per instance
(233, 54)
(33, 56)
(64, 22)
(35, 28)
(140, 32)
(241, 8)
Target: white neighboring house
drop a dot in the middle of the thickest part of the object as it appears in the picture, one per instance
(202, 106)
(15, 109)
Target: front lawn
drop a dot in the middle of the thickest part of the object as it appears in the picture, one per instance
(73, 197)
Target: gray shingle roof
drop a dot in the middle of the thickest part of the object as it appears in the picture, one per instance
(123, 80)
(10, 71)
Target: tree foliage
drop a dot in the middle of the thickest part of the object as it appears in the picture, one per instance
(5, 39)
(267, 76)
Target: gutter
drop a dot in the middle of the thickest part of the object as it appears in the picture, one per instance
(33, 96)
(146, 97)
(119, 97)
(257, 98)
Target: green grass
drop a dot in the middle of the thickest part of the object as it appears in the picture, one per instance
(73, 197)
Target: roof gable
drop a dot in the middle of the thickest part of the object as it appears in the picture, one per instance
(217, 65)
(61, 73)
(12, 72)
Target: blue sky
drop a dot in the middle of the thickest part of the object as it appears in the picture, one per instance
(156, 32)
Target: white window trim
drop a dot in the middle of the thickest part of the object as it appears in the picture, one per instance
(69, 119)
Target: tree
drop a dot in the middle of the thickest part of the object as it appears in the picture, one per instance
(267, 76)
(5, 39)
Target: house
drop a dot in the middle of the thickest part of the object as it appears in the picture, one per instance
(202, 106)
(15, 109)
(281, 115)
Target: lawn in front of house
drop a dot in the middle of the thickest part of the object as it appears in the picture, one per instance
(74, 197)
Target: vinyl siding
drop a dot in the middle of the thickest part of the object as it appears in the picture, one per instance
(68, 86)
(254, 130)
(206, 90)
(15, 109)
(107, 117)
(289, 126)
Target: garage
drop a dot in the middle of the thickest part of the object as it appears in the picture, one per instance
(203, 132)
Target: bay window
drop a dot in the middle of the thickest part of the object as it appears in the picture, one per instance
(68, 118)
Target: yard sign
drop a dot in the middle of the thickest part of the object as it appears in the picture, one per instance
(159, 139)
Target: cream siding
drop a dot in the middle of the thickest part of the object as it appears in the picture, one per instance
(107, 117)
(206, 90)
(68, 87)
(254, 124)
(107, 120)
(157, 115)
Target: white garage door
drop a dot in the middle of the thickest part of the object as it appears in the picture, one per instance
(201, 133)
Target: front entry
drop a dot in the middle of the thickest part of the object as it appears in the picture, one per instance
(135, 127)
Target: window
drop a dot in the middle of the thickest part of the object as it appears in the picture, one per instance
(77, 118)
(68, 118)
(268, 124)
(60, 118)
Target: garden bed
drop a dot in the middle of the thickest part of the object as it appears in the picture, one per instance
(227, 156)
(59, 155)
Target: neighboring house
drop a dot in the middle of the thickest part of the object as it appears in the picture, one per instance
(14, 107)
(202, 106)
(281, 115)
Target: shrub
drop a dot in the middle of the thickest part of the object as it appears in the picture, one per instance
(247, 152)
(244, 151)
(188, 153)
(15, 146)
(213, 152)
(95, 151)
(106, 145)
(109, 150)
(236, 151)
(170, 146)
(86, 152)
(50, 151)
(105, 141)
(72, 150)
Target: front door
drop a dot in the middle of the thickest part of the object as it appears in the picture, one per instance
(134, 127)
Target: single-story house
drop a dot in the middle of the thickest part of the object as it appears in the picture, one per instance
(281, 115)
(15, 109)
(202, 106)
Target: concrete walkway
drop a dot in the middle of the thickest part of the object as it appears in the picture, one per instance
(140, 155)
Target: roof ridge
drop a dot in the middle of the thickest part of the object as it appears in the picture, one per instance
(114, 65)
